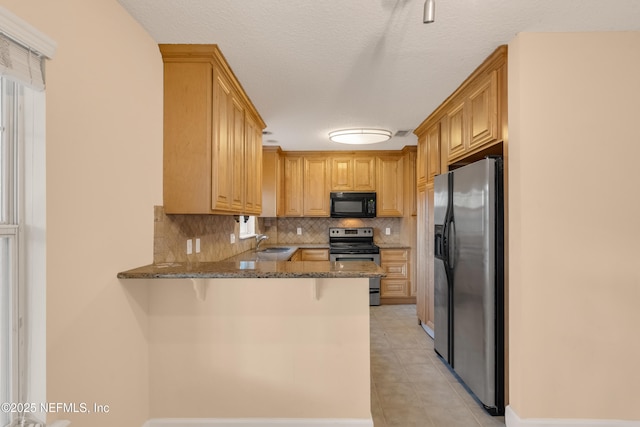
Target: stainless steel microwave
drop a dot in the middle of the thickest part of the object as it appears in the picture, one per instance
(346, 204)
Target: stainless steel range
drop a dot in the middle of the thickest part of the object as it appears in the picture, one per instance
(356, 244)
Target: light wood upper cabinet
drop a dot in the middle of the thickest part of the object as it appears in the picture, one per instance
(206, 137)
(473, 118)
(306, 185)
(410, 161)
(253, 167)
(456, 130)
(483, 114)
(293, 178)
(433, 151)
(272, 182)
(390, 186)
(352, 173)
(316, 186)
(421, 161)
(237, 146)
(221, 157)
(341, 173)
(364, 173)
(308, 177)
(469, 124)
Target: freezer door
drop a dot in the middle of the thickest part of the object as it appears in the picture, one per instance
(474, 278)
(441, 278)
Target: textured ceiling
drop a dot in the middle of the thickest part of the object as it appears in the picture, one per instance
(313, 66)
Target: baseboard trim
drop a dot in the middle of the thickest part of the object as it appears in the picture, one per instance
(259, 422)
(513, 420)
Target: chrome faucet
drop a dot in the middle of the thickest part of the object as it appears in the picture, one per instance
(259, 239)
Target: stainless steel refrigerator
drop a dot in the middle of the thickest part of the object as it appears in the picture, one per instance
(469, 277)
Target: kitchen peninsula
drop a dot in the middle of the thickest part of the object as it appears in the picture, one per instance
(259, 339)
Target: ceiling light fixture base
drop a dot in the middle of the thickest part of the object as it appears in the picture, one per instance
(360, 136)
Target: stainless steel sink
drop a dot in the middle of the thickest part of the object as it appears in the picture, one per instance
(276, 249)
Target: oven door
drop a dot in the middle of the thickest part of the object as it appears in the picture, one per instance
(374, 282)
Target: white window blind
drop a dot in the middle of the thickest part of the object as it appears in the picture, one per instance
(20, 63)
(23, 51)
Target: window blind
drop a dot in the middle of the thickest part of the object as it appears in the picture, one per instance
(20, 63)
(23, 51)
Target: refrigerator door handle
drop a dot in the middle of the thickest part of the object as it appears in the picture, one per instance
(451, 244)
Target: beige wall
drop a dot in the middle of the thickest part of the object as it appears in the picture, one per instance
(574, 229)
(104, 165)
(260, 348)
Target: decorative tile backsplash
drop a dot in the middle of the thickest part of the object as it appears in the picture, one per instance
(172, 231)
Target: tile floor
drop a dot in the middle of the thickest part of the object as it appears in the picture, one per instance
(410, 386)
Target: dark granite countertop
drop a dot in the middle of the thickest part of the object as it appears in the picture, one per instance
(256, 269)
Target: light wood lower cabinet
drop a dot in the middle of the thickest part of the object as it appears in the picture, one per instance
(314, 254)
(397, 283)
(310, 255)
(297, 256)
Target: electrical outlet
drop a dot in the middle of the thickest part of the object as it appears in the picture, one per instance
(189, 246)
(232, 238)
(198, 245)
(387, 231)
(299, 231)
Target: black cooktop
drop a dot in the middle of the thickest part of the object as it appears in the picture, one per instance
(357, 240)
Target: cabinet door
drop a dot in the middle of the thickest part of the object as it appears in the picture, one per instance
(390, 177)
(253, 153)
(272, 182)
(410, 180)
(341, 173)
(187, 137)
(353, 173)
(433, 151)
(394, 288)
(422, 265)
(483, 115)
(430, 254)
(395, 262)
(421, 161)
(237, 152)
(456, 130)
(364, 173)
(221, 153)
(316, 186)
(293, 186)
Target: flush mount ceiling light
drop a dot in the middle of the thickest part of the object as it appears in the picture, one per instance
(429, 11)
(359, 136)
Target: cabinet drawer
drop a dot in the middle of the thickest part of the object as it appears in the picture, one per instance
(393, 255)
(395, 270)
(394, 288)
(314, 255)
